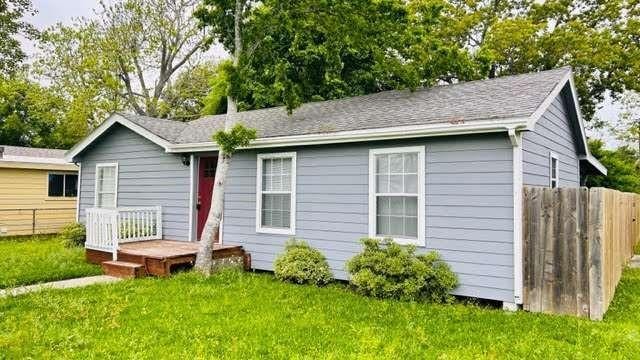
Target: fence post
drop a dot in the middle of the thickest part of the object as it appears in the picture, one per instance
(596, 242)
(33, 221)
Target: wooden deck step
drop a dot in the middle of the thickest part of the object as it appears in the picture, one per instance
(123, 269)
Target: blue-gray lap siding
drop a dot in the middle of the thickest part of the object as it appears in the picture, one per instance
(147, 176)
(552, 133)
(469, 207)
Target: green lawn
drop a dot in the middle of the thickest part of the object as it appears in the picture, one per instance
(245, 316)
(25, 261)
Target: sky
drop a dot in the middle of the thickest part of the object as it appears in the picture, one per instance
(51, 12)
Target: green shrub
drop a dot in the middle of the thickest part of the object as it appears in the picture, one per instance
(73, 234)
(388, 270)
(302, 264)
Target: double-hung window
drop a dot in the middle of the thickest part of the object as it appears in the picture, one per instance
(62, 185)
(106, 185)
(276, 193)
(396, 194)
(554, 170)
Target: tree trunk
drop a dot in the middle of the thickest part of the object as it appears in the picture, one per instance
(204, 259)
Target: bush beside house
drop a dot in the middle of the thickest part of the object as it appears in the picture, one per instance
(302, 264)
(73, 234)
(386, 269)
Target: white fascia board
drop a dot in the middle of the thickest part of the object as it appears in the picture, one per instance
(547, 101)
(400, 132)
(106, 125)
(33, 159)
(583, 135)
(594, 162)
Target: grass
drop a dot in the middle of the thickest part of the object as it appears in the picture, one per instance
(31, 260)
(246, 316)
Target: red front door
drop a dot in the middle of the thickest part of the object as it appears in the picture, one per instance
(206, 175)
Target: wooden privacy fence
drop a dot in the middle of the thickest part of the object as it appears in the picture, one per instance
(576, 242)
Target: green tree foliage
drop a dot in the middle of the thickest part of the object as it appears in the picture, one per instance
(11, 25)
(627, 127)
(622, 165)
(599, 39)
(193, 94)
(123, 58)
(308, 50)
(32, 115)
(237, 137)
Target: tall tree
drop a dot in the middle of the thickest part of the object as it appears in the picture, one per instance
(187, 97)
(126, 56)
(228, 140)
(627, 127)
(12, 24)
(300, 51)
(623, 169)
(596, 38)
(32, 115)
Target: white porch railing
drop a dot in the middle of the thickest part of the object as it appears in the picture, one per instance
(106, 228)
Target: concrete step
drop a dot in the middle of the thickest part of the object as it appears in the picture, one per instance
(123, 269)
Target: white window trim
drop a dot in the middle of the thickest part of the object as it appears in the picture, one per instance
(64, 184)
(553, 156)
(292, 214)
(420, 241)
(95, 189)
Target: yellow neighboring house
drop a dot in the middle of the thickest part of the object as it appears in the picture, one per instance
(38, 190)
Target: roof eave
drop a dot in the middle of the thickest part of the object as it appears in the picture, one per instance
(400, 132)
(595, 163)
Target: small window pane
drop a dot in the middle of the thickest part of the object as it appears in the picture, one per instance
(411, 206)
(382, 164)
(266, 167)
(396, 205)
(411, 184)
(108, 172)
(106, 200)
(396, 163)
(71, 185)
(56, 184)
(411, 227)
(286, 166)
(383, 205)
(395, 184)
(396, 225)
(382, 183)
(106, 185)
(410, 163)
(276, 183)
(554, 167)
(276, 168)
(286, 183)
(382, 225)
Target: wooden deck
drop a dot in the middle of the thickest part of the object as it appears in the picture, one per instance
(159, 256)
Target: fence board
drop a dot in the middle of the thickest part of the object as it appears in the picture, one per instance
(576, 242)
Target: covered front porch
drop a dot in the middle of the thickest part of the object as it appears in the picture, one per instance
(128, 242)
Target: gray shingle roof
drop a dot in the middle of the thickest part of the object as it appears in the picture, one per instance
(506, 97)
(32, 152)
